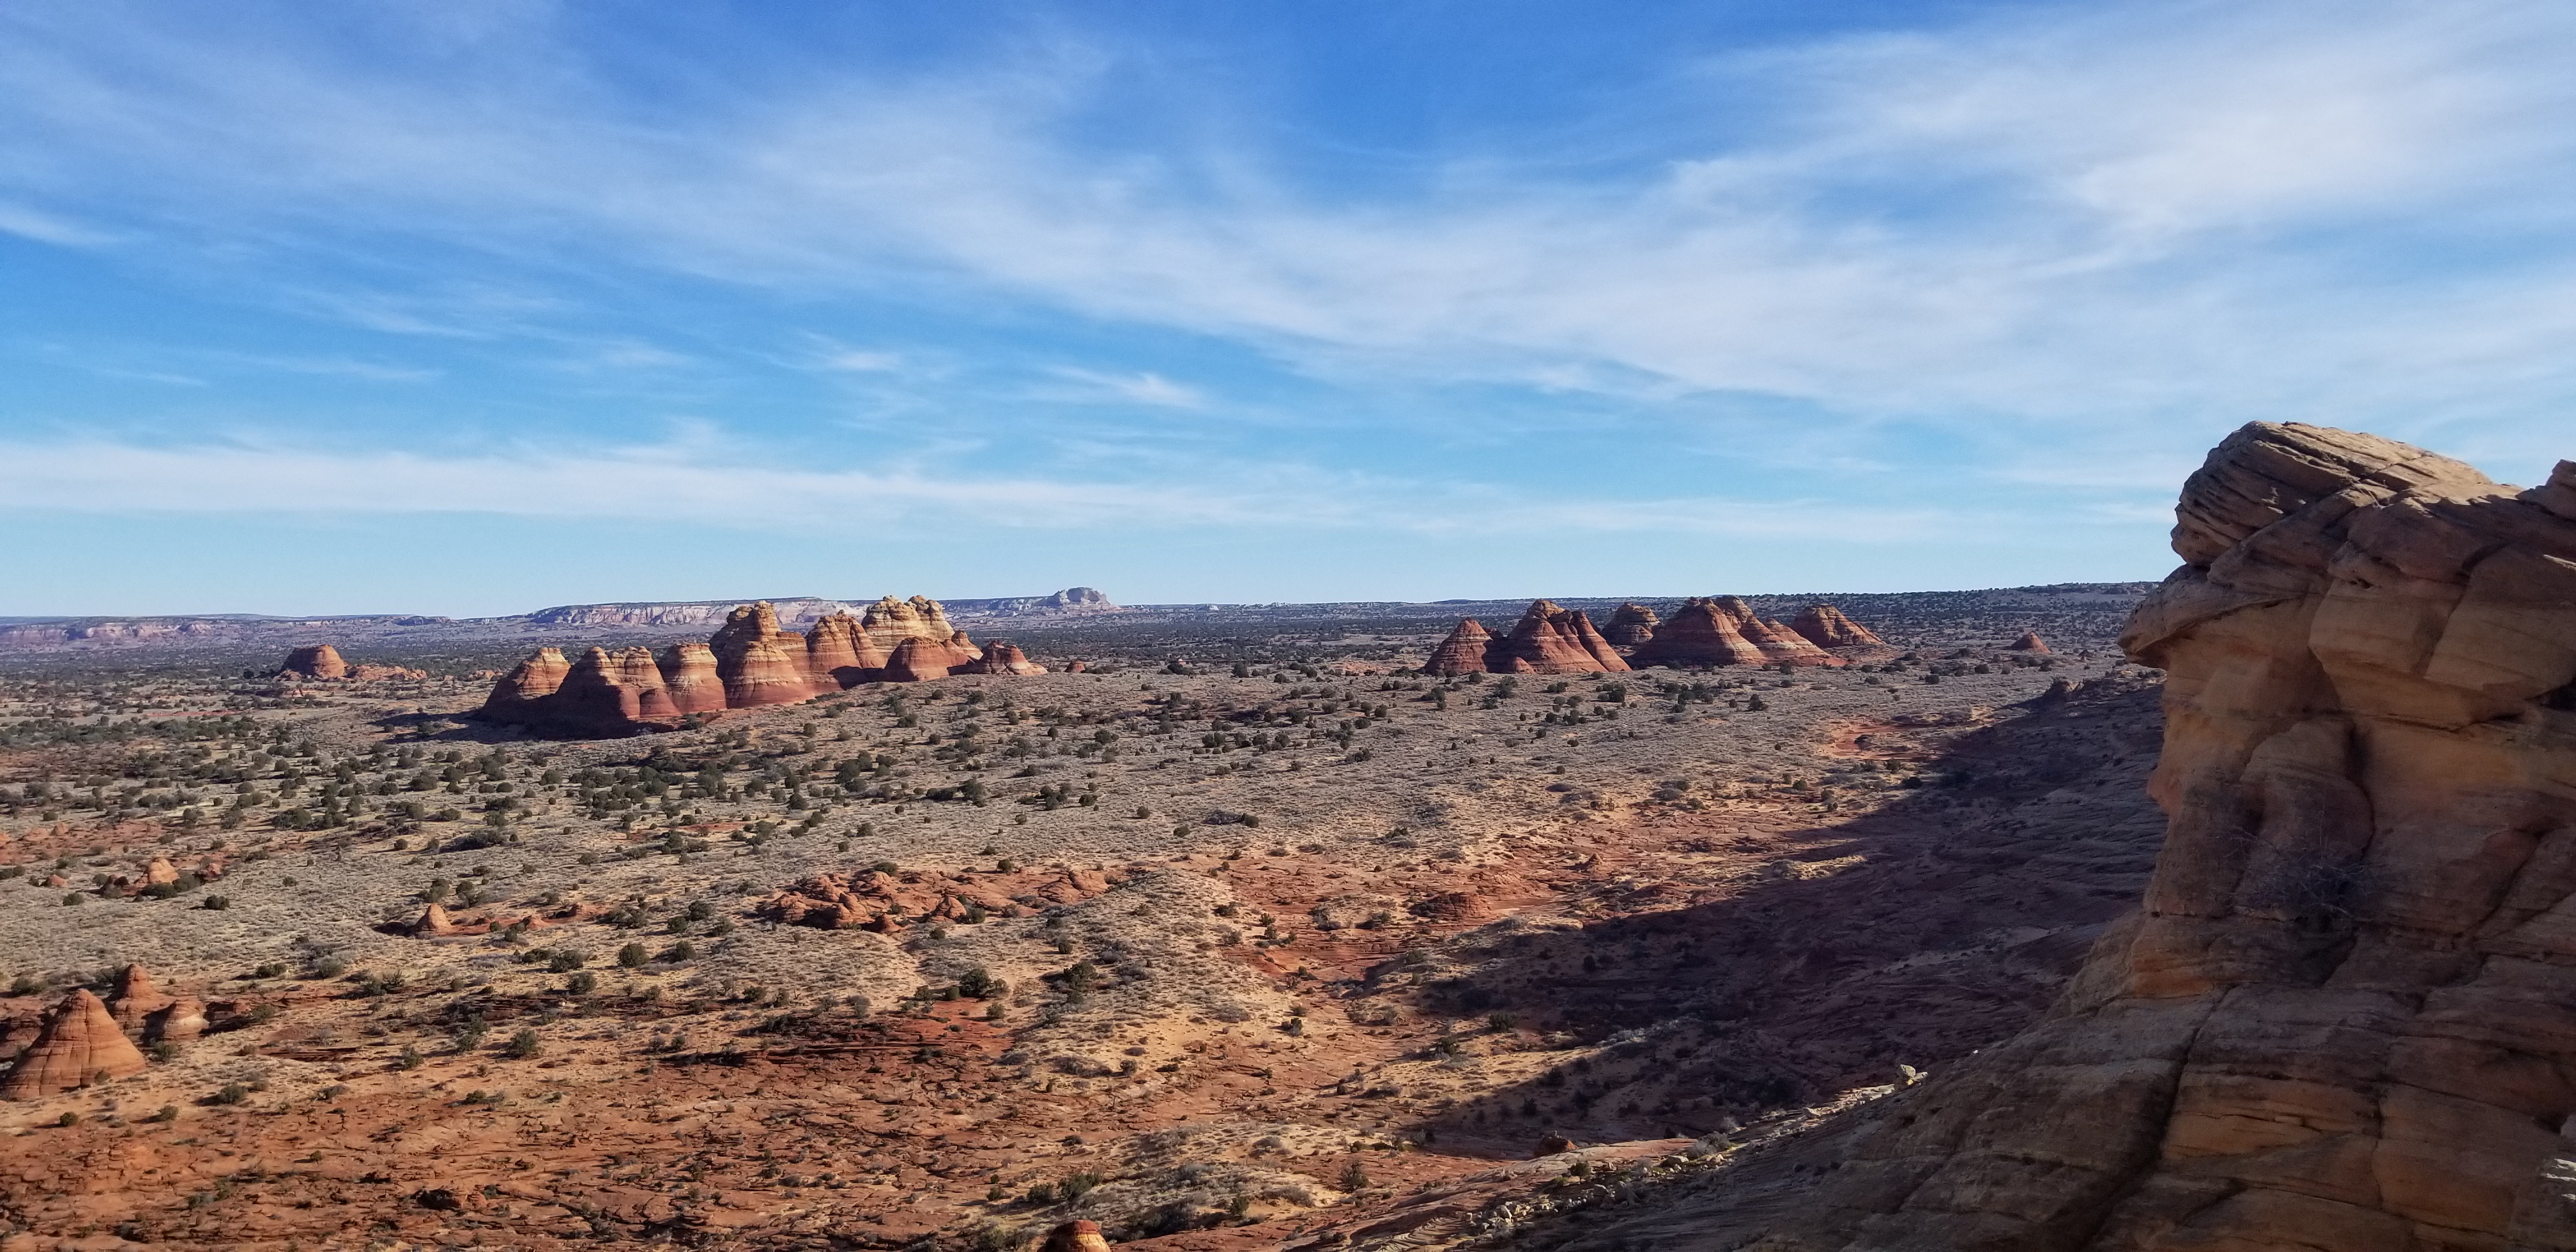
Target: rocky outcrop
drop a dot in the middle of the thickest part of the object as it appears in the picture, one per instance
(759, 663)
(1463, 652)
(690, 680)
(839, 652)
(1078, 1235)
(750, 662)
(519, 695)
(1827, 627)
(78, 1045)
(1697, 634)
(1002, 657)
(890, 621)
(2029, 642)
(319, 661)
(1631, 626)
(1778, 644)
(2341, 1018)
(878, 901)
(433, 922)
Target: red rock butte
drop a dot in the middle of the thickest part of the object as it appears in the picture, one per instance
(748, 663)
(1705, 631)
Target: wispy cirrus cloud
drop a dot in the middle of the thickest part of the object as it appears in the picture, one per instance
(2067, 216)
(699, 476)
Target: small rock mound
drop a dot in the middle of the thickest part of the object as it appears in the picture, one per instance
(320, 661)
(2029, 642)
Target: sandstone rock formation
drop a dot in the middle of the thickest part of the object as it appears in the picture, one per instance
(1778, 644)
(1002, 657)
(840, 652)
(750, 662)
(136, 999)
(433, 922)
(1826, 627)
(689, 679)
(1631, 626)
(385, 673)
(1078, 1235)
(890, 621)
(878, 901)
(1546, 640)
(516, 697)
(2341, 1019)
(1463, 652)
(1698, 633)
(78, 1045)
(760, 663)
(320, 661)
(2029, 642)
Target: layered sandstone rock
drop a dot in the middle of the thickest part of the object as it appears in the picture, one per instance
(915, 660)
(1778, 644)
(1463, 652)
(320, 661)
(517, 697)
(760, 663)
(1552, 640)
(690, 680)
(840, 652)
(1827, 627)
(79, 1044)
(1631, 626)
(2342, 1018)
(750, 662)
(1697, 634)
(386, 673)
(1078, 1235)
(890, 621)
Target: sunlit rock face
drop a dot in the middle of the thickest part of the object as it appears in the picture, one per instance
(2342, 1018)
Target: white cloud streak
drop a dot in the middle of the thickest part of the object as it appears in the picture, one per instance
(692, 480)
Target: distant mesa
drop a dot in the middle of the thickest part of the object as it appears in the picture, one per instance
(797, 609)
(322, 663)
(1704, 631)
(2029, 642)
(749, 662)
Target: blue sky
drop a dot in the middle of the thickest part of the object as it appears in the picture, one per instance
(481, 306)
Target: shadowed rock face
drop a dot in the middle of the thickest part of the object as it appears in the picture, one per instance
(1631, 626)
(2342, 1018)
(321, 660)
(841, 654)
(1546, 640)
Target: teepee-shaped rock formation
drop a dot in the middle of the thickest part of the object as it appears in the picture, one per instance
(1697, 634)
(1827, 627)
(2029, 642)
(1463, 652)
(79, 1044)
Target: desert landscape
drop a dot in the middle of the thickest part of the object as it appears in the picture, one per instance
(1373, 929)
